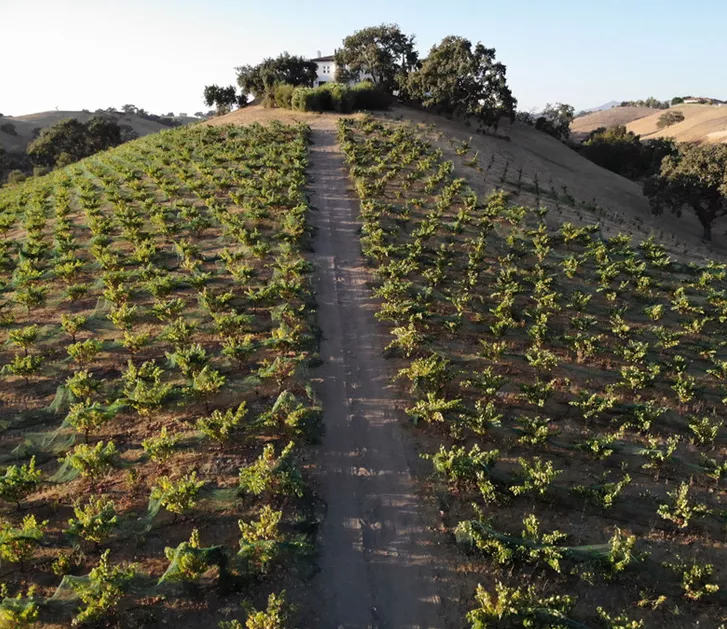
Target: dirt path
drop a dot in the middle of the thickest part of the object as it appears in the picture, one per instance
(377, 556)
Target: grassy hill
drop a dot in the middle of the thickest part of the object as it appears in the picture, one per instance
(24, 125)
(549, 174)
(702, 123)
(583, 125)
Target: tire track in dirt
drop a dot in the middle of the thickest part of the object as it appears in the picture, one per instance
(380, 566)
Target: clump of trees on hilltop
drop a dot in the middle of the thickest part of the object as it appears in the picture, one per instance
(456, 78)
(651, 102)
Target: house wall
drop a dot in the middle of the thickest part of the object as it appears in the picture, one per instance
(326, 72)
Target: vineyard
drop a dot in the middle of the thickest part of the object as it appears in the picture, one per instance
(569, 390)
(156, 328)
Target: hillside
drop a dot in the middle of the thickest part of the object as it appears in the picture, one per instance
(702, 123)
(24, 126)
(575, 188)
(583, 125)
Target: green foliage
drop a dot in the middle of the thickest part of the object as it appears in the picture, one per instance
(382, 52)
(286, 69)
(695, 177)
(103, 590)
(143, 387)
(432, 408)
(18, 544)
(19, 482)
(694, 579)
(220, 425)
(92, 462)
(667, 119)
(623, 152)
(161, 447)
(617, 622)
(518, 607)
(462, 79)
(189, 563)
(679, 510)
(275, 616)
(535, 478)
(95, 520)
(223, 98)
(275, 475)
(84, 352)
(177, 496)
(19, 611)
(74, 140)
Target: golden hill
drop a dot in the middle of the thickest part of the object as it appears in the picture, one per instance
(583, 125)
(702, 123)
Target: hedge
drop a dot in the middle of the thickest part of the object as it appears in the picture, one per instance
(336, 97)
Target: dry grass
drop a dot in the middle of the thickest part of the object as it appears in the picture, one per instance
(582, 126)
(702, 123)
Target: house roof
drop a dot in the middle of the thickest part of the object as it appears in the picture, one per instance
(327, 58)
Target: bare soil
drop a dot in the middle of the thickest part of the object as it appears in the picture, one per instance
(380, 563)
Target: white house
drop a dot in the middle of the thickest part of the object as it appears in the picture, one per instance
(326, 69)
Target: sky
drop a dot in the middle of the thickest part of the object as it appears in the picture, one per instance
(159, 54)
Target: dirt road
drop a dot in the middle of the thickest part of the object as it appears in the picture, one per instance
(378, 561)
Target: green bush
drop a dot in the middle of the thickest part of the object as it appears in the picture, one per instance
(368, 96)
(284, 96)
(9, 128)
(338, 97)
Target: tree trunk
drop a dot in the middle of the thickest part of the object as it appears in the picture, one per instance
(707, 234)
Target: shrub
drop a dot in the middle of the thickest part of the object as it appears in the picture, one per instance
(9, 128)
(284, 95)
(339, 97)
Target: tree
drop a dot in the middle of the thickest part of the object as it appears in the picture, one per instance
(556, 120)
(695, 177)
(73, 140)
(458, 78)
(129, 109)
(677, 100)
(224, 98)
(383, 52)
(285, 69)
(669, 118)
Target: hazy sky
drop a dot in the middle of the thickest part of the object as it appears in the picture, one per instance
(159, 54)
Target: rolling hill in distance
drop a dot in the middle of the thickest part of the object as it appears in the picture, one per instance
(26, 124)
(702, 123)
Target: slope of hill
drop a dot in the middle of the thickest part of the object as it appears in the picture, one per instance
(702, 123)
(24, 125)
(550, 174)
(583, 125)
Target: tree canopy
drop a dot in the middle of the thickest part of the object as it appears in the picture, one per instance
(223, 98)
(695, 177)
(383, 53)
(286, 69)
(556, 120)
(669, 118)
(73, 140)
(462, 79)
(623, 152)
